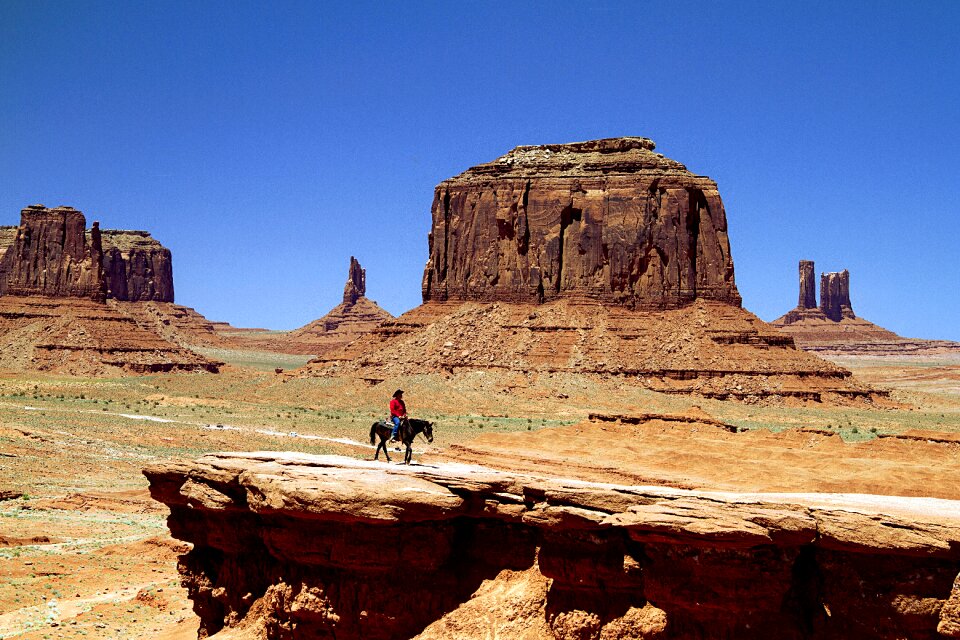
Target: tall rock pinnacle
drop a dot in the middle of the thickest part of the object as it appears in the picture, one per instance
(356, 286)
(808, 288)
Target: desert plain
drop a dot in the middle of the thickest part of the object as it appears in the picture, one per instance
(86, 552)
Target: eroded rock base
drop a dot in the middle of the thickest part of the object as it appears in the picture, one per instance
(298, 546)
(709, 349)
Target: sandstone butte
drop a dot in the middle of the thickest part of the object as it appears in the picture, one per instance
(69, 298)
(289, 545)
(600, 258)
(833, 328)
(355, 316)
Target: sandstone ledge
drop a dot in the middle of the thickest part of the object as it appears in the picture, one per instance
(323, 546)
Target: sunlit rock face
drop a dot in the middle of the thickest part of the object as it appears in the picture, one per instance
(608, 220)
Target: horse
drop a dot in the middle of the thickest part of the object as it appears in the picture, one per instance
(409, 428)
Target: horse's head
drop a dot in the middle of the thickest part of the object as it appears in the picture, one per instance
(428, 430)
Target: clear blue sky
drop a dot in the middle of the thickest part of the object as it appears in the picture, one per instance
(266, 143)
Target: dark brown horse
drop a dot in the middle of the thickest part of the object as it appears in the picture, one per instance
(409, 428)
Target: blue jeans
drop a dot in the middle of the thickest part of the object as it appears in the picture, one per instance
(396, 426)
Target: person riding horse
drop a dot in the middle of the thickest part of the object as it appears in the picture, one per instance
(398, 413)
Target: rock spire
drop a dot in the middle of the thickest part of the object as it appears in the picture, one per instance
(808, 288)
(356, 286)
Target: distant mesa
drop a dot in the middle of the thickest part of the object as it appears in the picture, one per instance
(52, 253)
(833, 327)
(593, 258)
(65, 296)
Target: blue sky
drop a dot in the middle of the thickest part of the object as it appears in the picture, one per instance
(266, 143)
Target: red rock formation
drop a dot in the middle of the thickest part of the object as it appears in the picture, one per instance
(296, 546)
(356, 286)
(602, 258)
(356, 316)
(85, 337)
(833, 328)
(50, 256)
(54, 280)
(835, 295)
(607, 220)
(808, 288)
(136, 267)
(707, 348)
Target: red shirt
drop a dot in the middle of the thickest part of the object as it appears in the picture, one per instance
(397, 408)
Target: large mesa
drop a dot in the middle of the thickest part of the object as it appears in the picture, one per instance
(607, 220)
(591, 258)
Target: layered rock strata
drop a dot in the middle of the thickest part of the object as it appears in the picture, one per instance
(297, 546)
(834, 329)
(708, 348)
(55, 278)
(83, 337)
(607, 220)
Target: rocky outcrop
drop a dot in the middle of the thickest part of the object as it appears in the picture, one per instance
(607, 220)
(50, 255)
(835, 295)
(356, 316)
(296, 546)
(833, 328)
(136, 267)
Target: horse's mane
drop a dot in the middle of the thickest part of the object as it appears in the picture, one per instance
(419, 422)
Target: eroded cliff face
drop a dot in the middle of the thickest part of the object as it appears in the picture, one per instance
(136, 267)
(298, 546)
(50, 255)
(607, 220)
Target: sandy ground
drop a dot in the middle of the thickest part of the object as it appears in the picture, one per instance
(85, 553)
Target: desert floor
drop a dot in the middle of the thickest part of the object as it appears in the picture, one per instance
(84, 551)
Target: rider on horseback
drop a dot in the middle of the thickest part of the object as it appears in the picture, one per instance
(398, 412)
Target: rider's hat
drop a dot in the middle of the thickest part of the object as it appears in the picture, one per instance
(398, 392)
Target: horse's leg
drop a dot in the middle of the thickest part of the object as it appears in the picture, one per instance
(383, 443)
(409, 454)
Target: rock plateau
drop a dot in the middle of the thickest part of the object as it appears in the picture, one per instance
(607, 220)
(292, 545)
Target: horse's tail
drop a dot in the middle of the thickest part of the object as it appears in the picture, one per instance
(373, 433)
